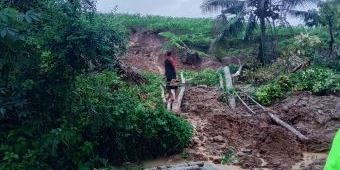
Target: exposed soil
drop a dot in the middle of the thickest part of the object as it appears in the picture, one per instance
(254, 140)
(144, 52)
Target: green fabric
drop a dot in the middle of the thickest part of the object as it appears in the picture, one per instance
(333, 160)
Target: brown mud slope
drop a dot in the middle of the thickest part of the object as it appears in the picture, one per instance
(218, 129)
(144, 52)
(316, 116)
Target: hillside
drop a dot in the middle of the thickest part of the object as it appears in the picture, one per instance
(219, 129)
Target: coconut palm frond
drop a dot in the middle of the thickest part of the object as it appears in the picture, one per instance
(310, 17)
(215, 5)
(289, 4)
(235, 8)
(88, 4)
(251, 26)
(235, 26)
(219, 24)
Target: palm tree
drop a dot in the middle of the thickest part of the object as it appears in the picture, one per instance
(262, 11)
(328, 15)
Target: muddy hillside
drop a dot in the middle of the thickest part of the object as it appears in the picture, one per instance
(223, 135)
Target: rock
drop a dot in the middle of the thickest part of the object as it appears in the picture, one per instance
(199, 156)
(285, 108)
(194, 141)
(202, 86)
(246, 151)
(215, 159)
(218, 139)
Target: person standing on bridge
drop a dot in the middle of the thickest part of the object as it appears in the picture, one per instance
(170, 74)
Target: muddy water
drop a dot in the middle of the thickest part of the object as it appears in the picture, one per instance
(177, 159)
(308, 158)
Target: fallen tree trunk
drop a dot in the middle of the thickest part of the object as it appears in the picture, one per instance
(288, 127)
(281, 122)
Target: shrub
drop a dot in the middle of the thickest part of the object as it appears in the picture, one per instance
(206, 76)
(267, 93)
(118, 124)
(317, 80)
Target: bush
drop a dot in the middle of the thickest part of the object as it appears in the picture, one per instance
(207, 76)
(317, 80)
(118, 124)
(267, 93)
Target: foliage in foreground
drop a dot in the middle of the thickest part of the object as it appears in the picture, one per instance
(319, 81)
(105, 122)
(54, 114)
(118, 124)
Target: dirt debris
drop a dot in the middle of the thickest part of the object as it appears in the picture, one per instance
(218, 129)
(144, 52)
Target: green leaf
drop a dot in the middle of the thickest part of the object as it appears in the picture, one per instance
(3, 33)
(167, 34)
(2, 111)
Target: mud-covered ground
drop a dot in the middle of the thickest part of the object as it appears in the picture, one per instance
(251, 141)
(264, 144)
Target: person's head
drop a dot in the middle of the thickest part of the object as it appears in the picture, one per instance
(168, 54)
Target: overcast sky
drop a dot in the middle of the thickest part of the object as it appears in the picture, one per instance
(175, 8)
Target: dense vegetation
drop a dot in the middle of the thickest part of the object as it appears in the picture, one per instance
(59, 109)
(65, 102)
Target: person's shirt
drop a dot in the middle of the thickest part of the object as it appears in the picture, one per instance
(170, 68)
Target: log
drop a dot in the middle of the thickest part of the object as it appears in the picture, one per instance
(288, 127)
(281, 122)
(301, 66)
(221, 81)
(162, 95)
(229, 85)
(177, 106)
(238, 71)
